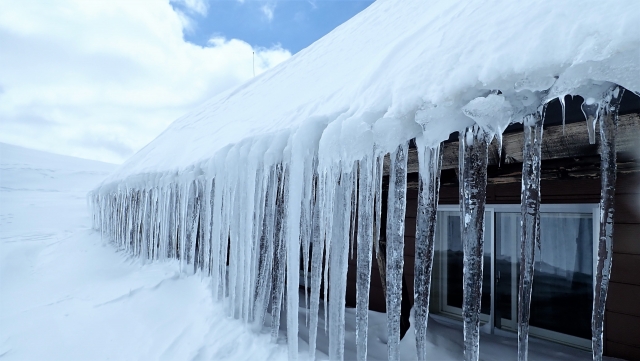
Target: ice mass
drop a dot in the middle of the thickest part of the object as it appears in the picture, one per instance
(285, 172)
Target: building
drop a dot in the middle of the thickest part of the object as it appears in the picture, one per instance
(563, 283)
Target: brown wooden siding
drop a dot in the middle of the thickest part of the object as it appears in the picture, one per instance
(622, 319)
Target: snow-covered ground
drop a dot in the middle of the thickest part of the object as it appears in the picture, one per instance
(65, 295)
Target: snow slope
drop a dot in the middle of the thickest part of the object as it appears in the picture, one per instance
(64, 295)
(370, 75)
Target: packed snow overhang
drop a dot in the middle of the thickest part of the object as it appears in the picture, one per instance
(399, 68)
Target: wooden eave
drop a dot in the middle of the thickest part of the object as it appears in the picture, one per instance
(566, 153)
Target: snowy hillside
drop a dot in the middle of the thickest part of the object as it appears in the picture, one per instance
(65, 295)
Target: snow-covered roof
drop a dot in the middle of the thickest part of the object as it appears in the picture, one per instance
(404, 66)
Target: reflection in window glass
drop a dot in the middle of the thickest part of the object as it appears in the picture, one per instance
(562, 293)
(507, 253)
(452, 242)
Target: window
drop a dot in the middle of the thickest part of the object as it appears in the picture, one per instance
(449, 233)
(562, 293)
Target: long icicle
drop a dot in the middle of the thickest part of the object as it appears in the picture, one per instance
(330, 179)
(396, 209)
(306, 224)
(472, 161)
(338, 260)
(377, 200)
(364, 247)
(430, 163)
(300, 170)
(257, 231)
(530, 213)
(266, 246)
(608, 167)
(317, 251)
(280, 261)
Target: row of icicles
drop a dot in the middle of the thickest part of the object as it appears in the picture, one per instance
(249, 229)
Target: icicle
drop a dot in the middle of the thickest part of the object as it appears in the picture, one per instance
(216, 245)
(365, 242)
(139, 222)
(608, 167)
(591, 110)
(207, 214)
(173, 227)
(266, 249)
(162, 222)
(306, 224)
(145, 226)
(129, 220)
(317, 251)
(225, 217)
(151, 224)
(214, 217)
(530, 213)
(430, 163)
(182, 254)
(296, 203)
(396, 207)
(246, 220)
(354, 207)
(203, 225)
(258, 214)
(499, 141)
(564, 113)
(235, 241)
(330, 178)
(280, 260)
(192, 216)
(473, 181)
(377, 200)
(338, 258)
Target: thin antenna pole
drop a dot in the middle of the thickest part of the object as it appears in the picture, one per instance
(254, 64)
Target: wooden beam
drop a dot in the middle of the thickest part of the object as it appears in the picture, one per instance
(572, 142)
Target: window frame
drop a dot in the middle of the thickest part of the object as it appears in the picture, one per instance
(490, 216)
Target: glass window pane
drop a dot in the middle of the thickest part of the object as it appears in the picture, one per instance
(507, 253)
(453, 262)
(563, 281)
(562, 293)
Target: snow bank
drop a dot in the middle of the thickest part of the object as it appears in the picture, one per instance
(371, 75)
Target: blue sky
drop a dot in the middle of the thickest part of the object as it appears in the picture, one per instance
(294, 24)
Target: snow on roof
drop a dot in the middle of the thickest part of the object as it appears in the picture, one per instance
(403, 66)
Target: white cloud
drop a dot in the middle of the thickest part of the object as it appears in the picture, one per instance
(195, 6)
(100, 79)
(267, 10)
